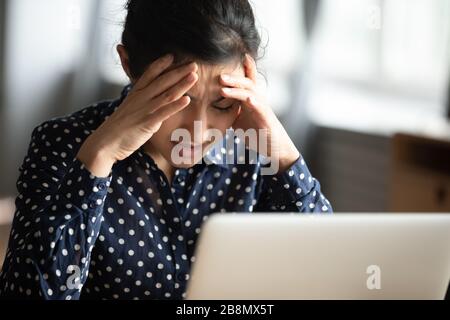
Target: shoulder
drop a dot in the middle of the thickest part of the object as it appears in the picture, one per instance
(70, 131)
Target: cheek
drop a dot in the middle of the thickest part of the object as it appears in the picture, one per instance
(163, 136)
(232, 116)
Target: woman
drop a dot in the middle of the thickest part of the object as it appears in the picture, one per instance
(104, 210)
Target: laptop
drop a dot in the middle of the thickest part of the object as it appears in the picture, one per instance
(342, 256)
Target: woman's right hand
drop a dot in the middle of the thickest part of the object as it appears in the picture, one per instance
(155, 97)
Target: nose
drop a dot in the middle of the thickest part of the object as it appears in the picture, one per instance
(195, 120)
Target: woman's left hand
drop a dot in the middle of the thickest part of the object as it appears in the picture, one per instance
(256, 114)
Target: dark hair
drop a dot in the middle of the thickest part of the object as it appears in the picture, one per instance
(212, 31)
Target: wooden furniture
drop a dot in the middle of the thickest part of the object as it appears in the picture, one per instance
(420, 174)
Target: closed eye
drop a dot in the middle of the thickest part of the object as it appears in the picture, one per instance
(224, 105)
(222, 109)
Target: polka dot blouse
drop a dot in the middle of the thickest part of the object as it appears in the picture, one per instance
(131, 235)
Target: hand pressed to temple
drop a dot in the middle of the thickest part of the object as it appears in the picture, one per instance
(256, 114)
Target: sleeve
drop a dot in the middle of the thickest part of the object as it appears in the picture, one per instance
(57, 219)
(294, 190)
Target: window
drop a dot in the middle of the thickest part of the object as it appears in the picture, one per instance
(381, 65)
(394, 44)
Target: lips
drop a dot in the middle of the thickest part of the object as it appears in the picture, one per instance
(191, 148)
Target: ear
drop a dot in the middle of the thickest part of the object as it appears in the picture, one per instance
(251, 71)
(125, 61)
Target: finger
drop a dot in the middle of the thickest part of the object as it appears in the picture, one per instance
(236, 93)
(176, 92)
(168, 111)
(237, 82)
(168, 80)
(253, 103)
(250, 68)
(244, 95)
(153, 71)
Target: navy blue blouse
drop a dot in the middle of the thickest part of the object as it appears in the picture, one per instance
(131, 235)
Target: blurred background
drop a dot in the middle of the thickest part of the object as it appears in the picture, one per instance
(362, 86)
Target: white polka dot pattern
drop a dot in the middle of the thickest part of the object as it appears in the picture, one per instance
(131, 235)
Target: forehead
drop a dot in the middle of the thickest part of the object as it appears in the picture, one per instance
(214, 71)
(208, 70)
(208, 84)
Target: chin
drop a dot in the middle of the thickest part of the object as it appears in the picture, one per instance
(186, 164)
(192, 159)
(183, 166)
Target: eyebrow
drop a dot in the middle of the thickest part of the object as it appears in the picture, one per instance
(195, 98)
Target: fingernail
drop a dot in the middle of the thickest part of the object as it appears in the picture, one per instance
(225, 77)
(168, 57)
(226, 90)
